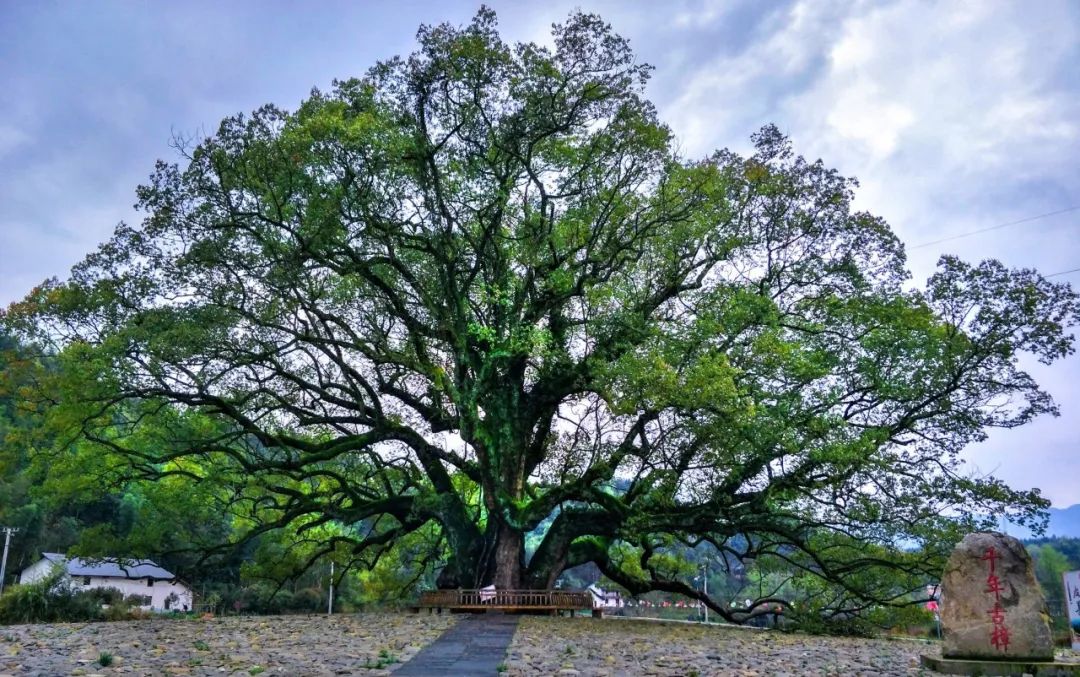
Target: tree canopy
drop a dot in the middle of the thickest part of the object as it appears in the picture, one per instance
(479, 290)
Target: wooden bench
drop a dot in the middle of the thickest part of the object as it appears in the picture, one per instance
(519, 601)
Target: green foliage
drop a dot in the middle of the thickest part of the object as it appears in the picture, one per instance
(1049, 567)
(105, 659)
(55, 599)
(1050, 564)
(478, 290)
(1069, 547)
(48, 600)
(384, 659)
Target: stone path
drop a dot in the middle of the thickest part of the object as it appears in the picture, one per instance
(474, 647)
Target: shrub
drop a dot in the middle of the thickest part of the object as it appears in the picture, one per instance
(115, 612)
(108, 596)
(138, 600)
(308, 599)
(49, 600)
(264, 602)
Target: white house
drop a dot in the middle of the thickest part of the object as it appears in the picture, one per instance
(605, 599)
(131, 577)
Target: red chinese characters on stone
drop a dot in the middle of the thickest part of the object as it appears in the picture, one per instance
(997, 614)
(999, 637)
(999, 634)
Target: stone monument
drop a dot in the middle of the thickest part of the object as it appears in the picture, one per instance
(991, 604)
(993, 615)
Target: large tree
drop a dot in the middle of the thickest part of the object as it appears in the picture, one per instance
(479, 289)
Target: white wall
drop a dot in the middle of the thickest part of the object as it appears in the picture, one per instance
(137, 586)
(128, 586)
(36, 571)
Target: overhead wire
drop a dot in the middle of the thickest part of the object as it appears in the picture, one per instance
(997, 227)
(1064, 272)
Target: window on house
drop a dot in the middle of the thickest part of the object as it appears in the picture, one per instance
(149, 582)
(86, 580)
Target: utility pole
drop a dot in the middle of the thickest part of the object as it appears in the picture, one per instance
(330, 604)
(705, 587)
(8, 531)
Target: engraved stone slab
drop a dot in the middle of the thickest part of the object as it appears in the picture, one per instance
(991, 604)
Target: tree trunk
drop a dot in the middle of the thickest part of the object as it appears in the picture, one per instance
(550, 557)
(509, 558)
(472, 564)
(466, 545)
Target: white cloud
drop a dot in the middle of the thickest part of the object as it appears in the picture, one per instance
(699, 14)
(863, 113)
(965, 94)
(954, 118)
(729, 96)
(11, 138)
(933, 107)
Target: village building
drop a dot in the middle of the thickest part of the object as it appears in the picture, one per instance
(605, 599)
(162, 590)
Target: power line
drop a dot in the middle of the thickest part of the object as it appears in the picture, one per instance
(1000, 225)
(1064, 272)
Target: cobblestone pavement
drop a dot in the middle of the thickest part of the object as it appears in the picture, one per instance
(360, 644)
(382, 643)
(616, 647)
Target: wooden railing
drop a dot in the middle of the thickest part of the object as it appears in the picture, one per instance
(506, 599)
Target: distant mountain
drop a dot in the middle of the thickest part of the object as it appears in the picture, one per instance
(1064, 522)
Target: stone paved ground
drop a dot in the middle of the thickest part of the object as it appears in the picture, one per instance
(361, 644)
(364, 644)
(588, 647)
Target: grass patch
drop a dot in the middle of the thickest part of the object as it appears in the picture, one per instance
(105, 659)
(384, 659)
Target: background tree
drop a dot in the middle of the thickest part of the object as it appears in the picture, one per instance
(48, 519)
(1051, 563)
(479, 289)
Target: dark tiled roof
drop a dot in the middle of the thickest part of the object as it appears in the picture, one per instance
(114, 568)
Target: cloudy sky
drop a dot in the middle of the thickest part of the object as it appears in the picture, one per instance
(955, 116)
